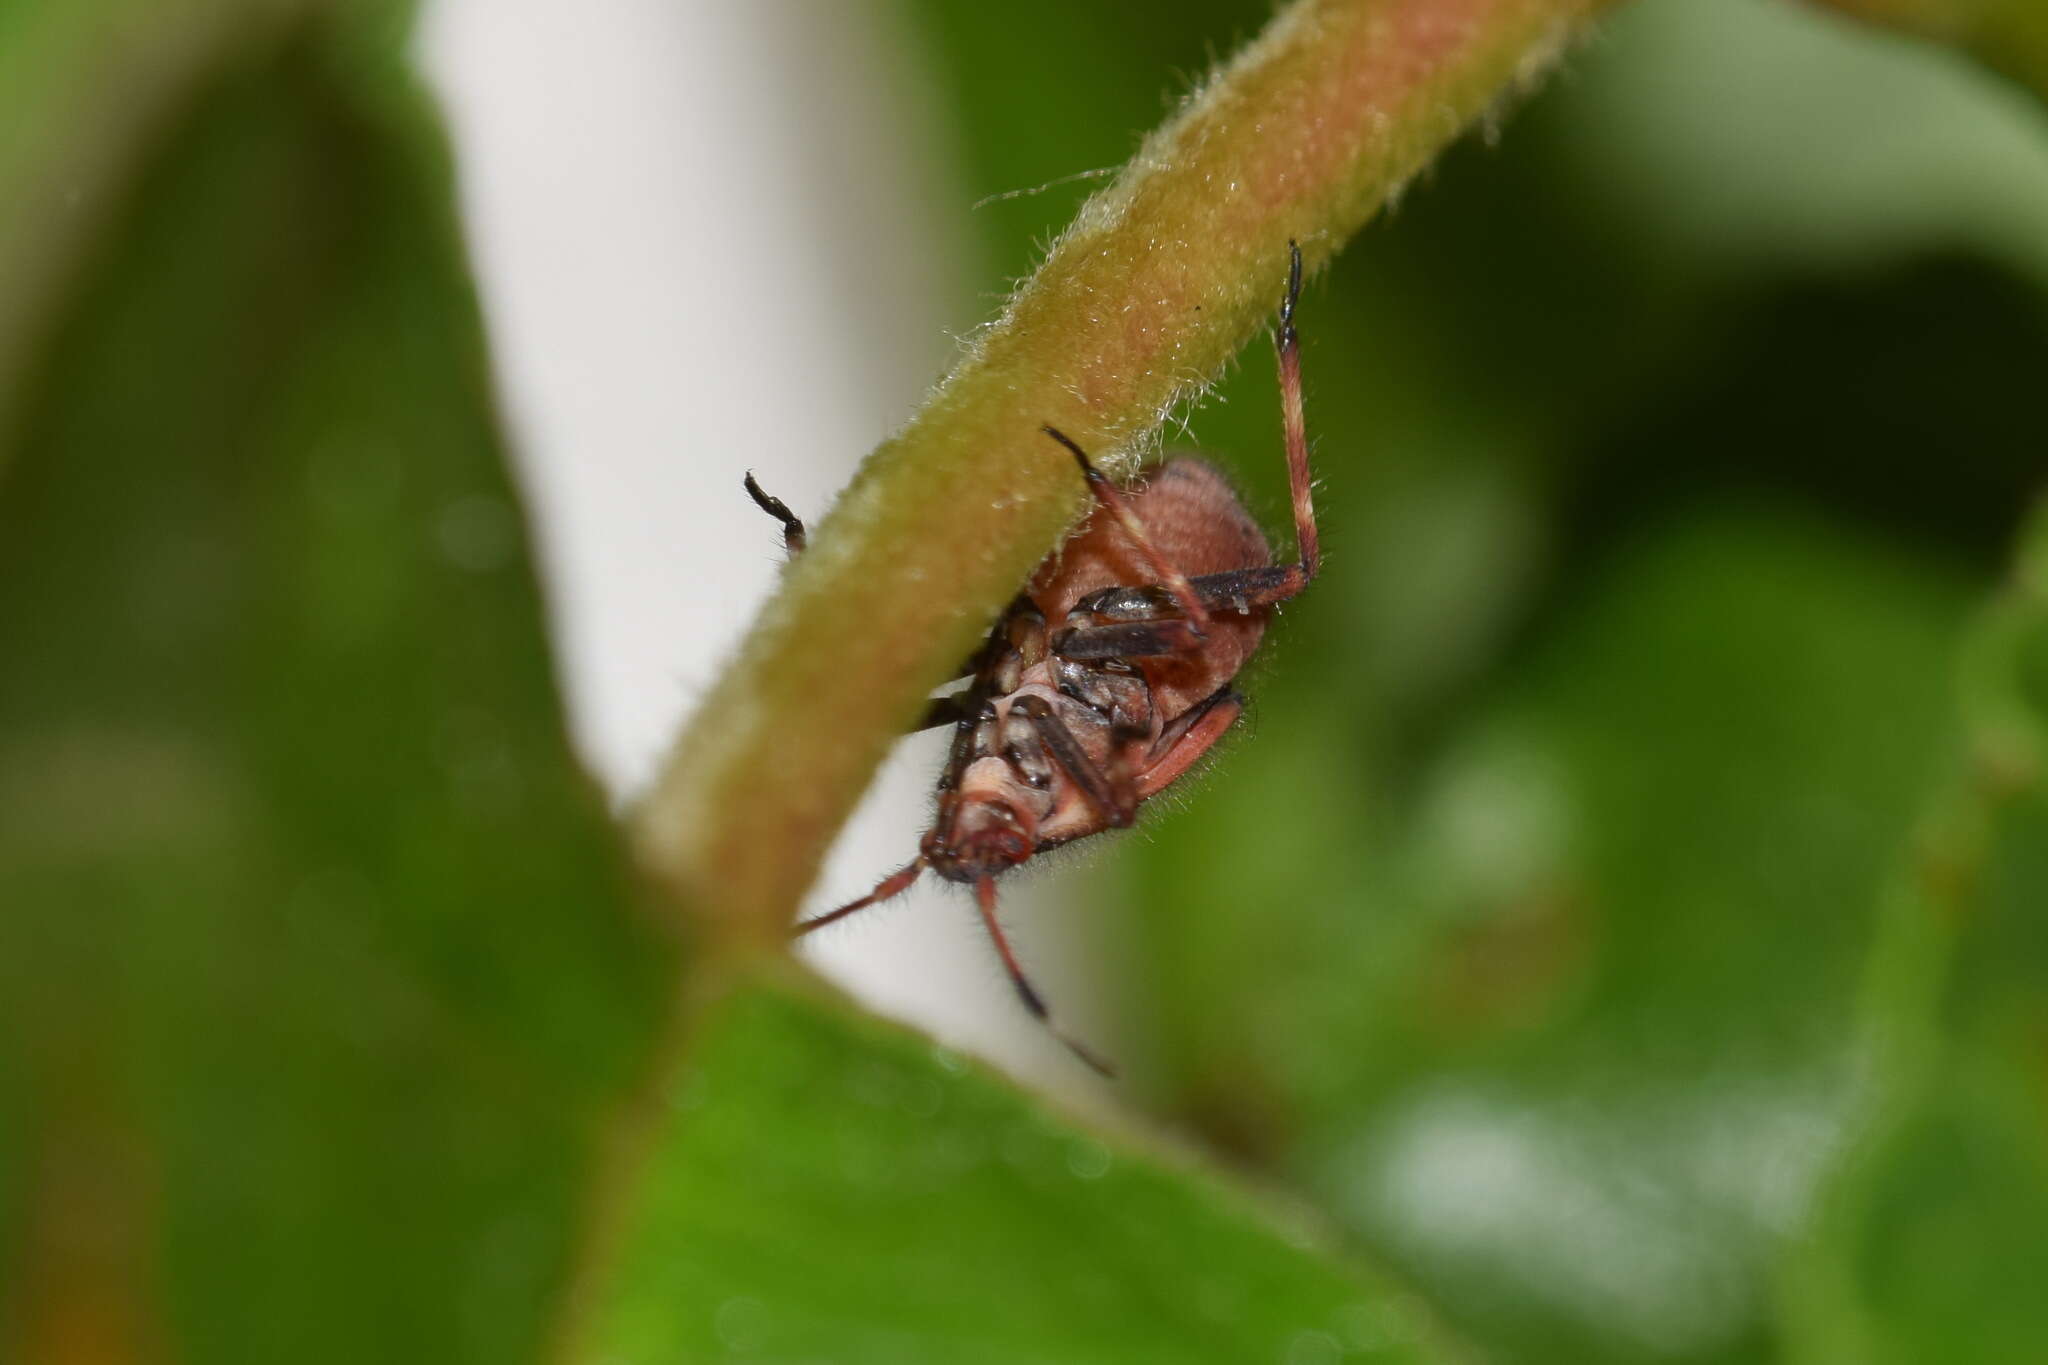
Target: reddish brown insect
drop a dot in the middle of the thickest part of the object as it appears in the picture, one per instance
(1161, 597)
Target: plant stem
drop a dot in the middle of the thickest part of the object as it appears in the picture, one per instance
(1158, 282)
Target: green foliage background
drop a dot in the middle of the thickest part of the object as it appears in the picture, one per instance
(1619, 935)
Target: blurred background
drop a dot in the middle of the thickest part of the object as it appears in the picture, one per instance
(1623, 915)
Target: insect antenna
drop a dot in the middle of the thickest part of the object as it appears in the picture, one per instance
(895, 884)
(985, 898)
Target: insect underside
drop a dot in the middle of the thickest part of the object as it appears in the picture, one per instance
(1110, 675)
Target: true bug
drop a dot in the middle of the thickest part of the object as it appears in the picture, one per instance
(1065, 729)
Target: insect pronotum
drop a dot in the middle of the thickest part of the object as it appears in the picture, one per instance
(1110, 675)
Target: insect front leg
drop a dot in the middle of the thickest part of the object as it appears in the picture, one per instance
(793, 535)
(1118, 697)
(1021, 617)
(1128, 622)
(1111, 791)
(1187, 738)
(1116, 808)
(1088, 655)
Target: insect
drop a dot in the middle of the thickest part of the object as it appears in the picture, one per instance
(1111, 674)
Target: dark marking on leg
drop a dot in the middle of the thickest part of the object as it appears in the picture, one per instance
(1126, 640)
(985, 900)
(1245, 590)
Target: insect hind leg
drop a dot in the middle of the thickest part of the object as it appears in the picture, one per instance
(1294, 427)
(985, 901)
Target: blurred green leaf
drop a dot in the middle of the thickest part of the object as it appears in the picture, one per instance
(321, 968)
(1562, 1030)
(1805, 139)
(826, 1187)
(1951, 1224)
(1935, 1247)
(85, 91)
(2007, 35)
(1928, 1237)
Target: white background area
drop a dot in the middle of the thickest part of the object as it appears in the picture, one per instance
(714, 237)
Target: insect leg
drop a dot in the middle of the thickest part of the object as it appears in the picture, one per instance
(1126, 743)
(1188, 738)
(1105, 493)
(1242, 590)
(940, 710)
(792, 525)
(1129, 622)
(1293, 425)
(1126, 640)
(1188, 719)
(895, 884)
(1117, 807)
(985, 899)
(1137, 637)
